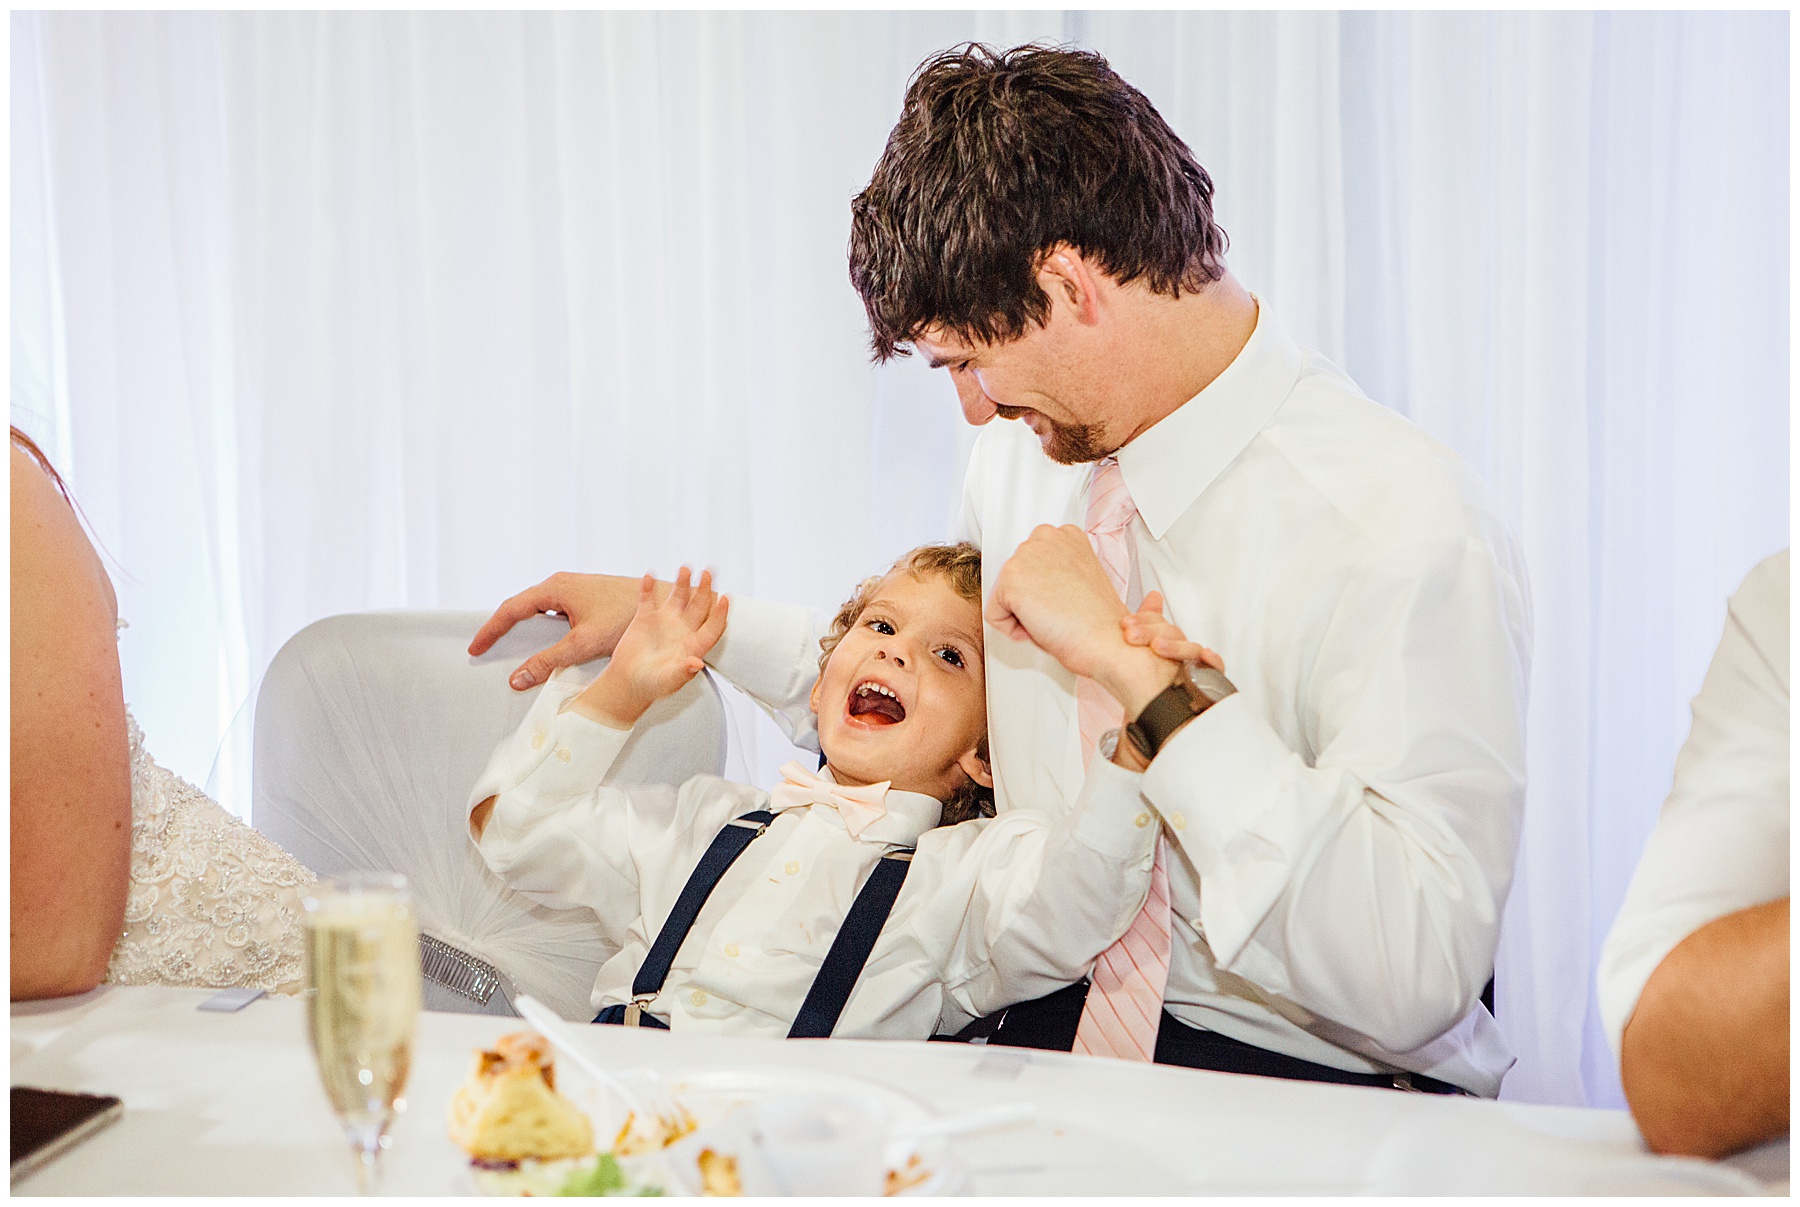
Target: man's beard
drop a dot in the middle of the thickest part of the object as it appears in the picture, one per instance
(1069, 443)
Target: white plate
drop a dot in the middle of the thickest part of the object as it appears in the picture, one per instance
(721, 1091)
(713, 1095)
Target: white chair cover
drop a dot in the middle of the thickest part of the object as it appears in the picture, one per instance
(370, 730)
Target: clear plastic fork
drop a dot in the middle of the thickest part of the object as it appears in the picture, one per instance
(650, 1099)
(971, 1123)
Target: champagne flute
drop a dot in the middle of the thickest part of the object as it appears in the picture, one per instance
(362, 1003)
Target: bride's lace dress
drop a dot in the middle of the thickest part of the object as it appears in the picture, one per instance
(212, 902)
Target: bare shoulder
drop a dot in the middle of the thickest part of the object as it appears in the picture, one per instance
(33, 493)
(71, 759)
(65, 654)
(52, 558)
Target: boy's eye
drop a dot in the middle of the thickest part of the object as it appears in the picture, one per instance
(951, 654)
(882, 627)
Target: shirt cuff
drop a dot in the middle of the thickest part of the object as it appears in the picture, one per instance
(578, 752)
(1226, 786)
(1112, 816)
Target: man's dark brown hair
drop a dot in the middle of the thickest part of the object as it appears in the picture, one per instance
(1001, 155)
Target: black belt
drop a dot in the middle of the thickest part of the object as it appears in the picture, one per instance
(837, 975)
(1050, 1022)
(1192, 1048)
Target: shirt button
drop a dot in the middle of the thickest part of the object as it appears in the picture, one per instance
(1178, 821)
(563, 755)
(792, 868)
(731, 949)
(1141, 820)
(537, 741)
(698, 997)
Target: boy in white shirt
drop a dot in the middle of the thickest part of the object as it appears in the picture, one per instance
(877, 899)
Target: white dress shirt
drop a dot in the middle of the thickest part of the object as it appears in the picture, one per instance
(992, 911)
(1353, 810)
(1721, 843)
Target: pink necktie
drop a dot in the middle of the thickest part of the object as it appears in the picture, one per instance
(859, 807)
(1124, 1002)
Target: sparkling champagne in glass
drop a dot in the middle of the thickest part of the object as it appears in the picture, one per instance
(362, 1003)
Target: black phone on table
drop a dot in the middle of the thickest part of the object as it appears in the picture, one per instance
(46, 1123)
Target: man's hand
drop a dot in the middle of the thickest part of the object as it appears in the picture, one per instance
(664, 646)
(1053, 592)
(597, 607)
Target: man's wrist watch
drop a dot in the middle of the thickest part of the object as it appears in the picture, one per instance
(1196, 689)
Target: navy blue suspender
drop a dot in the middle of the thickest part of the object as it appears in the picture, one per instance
(850, 950)
(731, 841)
(836, 977)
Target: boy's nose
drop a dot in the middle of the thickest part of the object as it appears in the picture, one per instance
(898, 660)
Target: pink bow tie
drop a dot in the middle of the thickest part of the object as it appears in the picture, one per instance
(859, 807)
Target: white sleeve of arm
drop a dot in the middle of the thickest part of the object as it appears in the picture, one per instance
(968, 516)
(1034, 902)
(558, 833)
(771, 651)
(1721, 842)
(1366, 883)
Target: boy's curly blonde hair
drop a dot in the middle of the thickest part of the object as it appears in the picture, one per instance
(958, 565)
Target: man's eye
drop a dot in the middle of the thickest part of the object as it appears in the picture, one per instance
(952, 655)
(882, 627)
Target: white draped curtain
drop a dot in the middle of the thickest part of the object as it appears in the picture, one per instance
(331, 312)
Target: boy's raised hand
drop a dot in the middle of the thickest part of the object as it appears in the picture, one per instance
(1148, 626)
(663, 647)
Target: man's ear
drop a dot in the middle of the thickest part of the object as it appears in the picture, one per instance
(1068, 278)
(976, 768)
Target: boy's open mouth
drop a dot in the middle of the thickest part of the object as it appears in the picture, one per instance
(875, 704)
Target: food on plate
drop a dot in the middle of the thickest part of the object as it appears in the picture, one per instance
(909, 1175)
(588, 1177)
(719, 1175)
(651, 1132)
(509, 1109)
(524, 1138)
(603, 1177)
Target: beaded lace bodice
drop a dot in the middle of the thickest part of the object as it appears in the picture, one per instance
(212, 902)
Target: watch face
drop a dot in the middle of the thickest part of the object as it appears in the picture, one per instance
(1211, 685)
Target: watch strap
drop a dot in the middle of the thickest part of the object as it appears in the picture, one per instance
(1194, 691)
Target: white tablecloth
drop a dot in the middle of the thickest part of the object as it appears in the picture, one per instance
(230, 1104)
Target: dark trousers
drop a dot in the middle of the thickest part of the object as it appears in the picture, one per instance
(1049, 1023)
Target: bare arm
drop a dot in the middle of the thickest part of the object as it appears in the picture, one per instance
(71, 773)
(1705, 1055)
(478, 817)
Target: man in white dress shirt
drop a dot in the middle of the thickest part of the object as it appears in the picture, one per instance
(1340, 811)
(1693, 980)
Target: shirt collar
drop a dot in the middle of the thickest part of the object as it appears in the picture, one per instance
(1168, 466)
(909, 814)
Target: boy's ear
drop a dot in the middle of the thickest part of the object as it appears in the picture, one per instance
(976, 767)
(812, 697)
